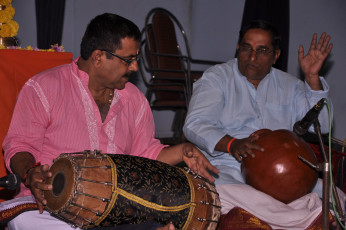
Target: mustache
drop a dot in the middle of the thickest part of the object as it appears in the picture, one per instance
(132, 76)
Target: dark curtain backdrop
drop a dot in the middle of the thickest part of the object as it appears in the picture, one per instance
(276, 12)
(50, 22)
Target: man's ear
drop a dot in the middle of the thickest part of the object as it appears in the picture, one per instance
(237, 51)
(96, 57)
(277, 55)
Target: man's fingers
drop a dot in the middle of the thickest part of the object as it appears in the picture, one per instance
(321, 41)
(330, 47)
(313, 42)
(44, 187)
(327, 51)
(325, 42)
(238, 156)
(204, 173)
(300, 53)
(213, 168)
(256, 147)
(41, 202)
(40, 207)
(325, 48)
(246, 154)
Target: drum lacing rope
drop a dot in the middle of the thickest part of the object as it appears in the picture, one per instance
(95, 181)
(96, 153)
(202, 220)
(195, 175)
(76, 216)
(210, 204)
(206, 188)
(89, 195)
(93, 167)
(69, 221)
(80, 206)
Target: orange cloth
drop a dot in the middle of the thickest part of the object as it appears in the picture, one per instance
(16, 67)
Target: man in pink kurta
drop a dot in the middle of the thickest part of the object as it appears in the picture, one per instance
(64, 118)
(86, 105)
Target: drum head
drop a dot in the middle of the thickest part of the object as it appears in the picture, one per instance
(62, 180)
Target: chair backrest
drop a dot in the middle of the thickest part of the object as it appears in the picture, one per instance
(150, 47)
(164, 61)
(164, 41)
(167, 57)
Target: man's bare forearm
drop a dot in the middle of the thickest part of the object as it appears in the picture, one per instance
(21, 162)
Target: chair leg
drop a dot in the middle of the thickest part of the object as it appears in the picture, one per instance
(177, 125)
(340, 177)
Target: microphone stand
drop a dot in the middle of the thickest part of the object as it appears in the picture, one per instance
(326, 182)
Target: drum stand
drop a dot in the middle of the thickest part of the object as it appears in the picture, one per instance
(326, 181)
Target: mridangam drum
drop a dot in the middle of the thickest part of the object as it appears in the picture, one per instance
(93, 189)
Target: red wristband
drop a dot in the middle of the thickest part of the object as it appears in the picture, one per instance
(27, 171)
(229, 145)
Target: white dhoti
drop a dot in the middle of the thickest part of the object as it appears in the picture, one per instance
(299, 214)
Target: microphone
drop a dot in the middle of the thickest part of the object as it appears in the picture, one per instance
(11, 181)
(302, 126)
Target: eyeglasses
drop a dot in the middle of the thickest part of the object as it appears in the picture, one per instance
(260, 52)
(128, 61)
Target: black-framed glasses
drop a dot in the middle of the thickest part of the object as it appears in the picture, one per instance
(260, 52)
(127, 60)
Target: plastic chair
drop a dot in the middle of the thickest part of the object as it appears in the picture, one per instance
(167, 60)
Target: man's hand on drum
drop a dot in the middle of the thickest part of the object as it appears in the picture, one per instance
(193, 158)
(197, 162)
(242, 148)
(36, 182)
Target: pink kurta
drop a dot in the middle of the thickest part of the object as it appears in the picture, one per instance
(55, 113)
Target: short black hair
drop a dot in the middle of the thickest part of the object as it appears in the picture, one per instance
(263, 25)
(105, 31)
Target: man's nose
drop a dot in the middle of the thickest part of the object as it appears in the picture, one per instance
(134, 66)
(253, 55)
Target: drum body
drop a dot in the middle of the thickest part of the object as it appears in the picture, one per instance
(91, 189)
(278, 171)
